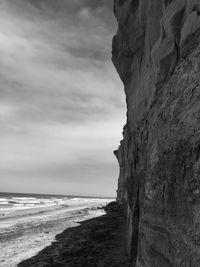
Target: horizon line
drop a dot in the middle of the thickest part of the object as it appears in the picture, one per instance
(51, 194)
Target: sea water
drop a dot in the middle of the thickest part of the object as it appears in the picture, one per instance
(29, 222)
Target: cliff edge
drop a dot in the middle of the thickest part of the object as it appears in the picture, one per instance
(156, 52)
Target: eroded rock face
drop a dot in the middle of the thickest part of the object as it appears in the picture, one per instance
(157, 54)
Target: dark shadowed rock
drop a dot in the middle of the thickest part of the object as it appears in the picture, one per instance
(157, 54)
(112, 207)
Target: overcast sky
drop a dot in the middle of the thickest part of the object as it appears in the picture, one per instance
(62, 105)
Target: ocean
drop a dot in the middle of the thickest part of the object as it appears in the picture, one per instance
(29, 222)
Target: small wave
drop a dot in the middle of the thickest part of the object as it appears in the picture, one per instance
(3, 199)
(12, 202)
(18, 204)
(25, 200)
(20, 198)
(4, 203)
(48, 201)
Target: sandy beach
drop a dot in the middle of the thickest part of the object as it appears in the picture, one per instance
(26, 231)
(97, 242)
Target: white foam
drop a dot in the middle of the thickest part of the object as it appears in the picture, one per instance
(3, 199)
(20, 198)
(18, 204)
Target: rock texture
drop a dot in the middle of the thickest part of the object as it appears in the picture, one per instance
(156, 52)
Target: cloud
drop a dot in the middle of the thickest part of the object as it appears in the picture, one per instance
(61, 102)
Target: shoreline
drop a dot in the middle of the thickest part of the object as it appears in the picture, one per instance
(26, 232)
(99, 241)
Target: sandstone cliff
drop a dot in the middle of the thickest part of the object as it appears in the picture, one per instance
(156, 52)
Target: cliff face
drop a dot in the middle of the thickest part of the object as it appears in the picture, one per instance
(157, 54)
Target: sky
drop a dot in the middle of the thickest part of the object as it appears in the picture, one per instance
(62, 106)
